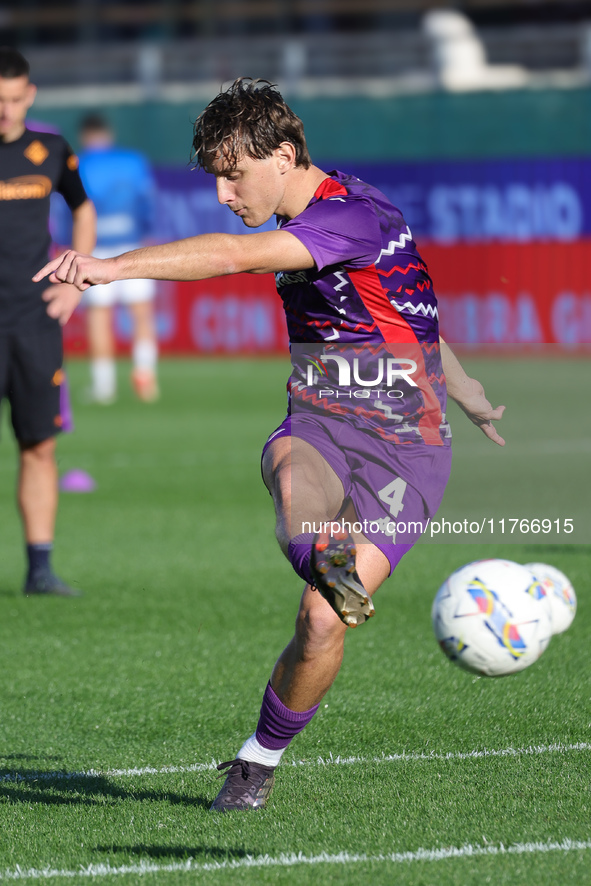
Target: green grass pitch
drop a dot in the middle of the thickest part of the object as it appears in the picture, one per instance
(114, 705)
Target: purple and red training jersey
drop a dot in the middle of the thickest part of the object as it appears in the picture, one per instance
(363, 324)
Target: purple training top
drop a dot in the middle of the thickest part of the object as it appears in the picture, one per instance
(363, 324)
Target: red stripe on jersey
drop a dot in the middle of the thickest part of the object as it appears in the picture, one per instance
(330, 188)
(392, 325)
(396, 330)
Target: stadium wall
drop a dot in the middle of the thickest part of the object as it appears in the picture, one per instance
(540, 122)
(496, 188)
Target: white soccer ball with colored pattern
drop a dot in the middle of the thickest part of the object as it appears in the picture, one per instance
(561, 594)
(492, 617)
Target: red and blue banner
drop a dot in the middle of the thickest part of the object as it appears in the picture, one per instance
(507, 242)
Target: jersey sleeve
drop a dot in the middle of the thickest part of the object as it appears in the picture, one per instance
(69, 183)
(341, 230)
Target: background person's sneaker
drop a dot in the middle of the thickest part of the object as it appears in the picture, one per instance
(145, 385)
(247, 786)
(48, 583)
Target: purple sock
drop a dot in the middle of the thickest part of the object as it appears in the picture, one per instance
(277, 724)
(38, 557)
(299, 552)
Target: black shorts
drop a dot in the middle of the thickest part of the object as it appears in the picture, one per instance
(30, 378)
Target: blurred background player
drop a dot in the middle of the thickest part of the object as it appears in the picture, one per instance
(33, 164)
(120, 183)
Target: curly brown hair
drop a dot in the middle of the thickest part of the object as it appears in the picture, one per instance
(249, 119)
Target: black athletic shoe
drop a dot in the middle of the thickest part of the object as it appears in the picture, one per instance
(335, 577)
(247, 786)
(48, 583)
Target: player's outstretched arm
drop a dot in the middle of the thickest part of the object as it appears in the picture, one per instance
(195, 258)
(469, 394)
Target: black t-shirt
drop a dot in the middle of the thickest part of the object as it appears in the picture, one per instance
(30, 169)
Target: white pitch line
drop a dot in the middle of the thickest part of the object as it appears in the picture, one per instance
(403, 757)
(468, 850)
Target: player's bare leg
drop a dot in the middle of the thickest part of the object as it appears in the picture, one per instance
(37, 495)
(307, 492)
(37, 490)
(303, 485)
(308, 666)
(145, 351)
(101, 349)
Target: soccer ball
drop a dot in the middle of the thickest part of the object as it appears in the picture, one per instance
(492, 617)
(561, 594)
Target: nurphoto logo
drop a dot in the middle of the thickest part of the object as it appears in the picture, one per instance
(383, 372)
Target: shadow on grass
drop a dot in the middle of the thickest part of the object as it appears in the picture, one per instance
(198, 853)
(25, 757)
(84, 789)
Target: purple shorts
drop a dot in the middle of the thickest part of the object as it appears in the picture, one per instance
(395, 489)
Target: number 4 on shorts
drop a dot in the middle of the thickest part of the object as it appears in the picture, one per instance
(392, 495)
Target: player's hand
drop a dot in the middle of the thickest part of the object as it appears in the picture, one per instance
(62, 300)
(480, 411)
(78, 269)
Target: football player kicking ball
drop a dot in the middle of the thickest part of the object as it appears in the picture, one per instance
(365, 441)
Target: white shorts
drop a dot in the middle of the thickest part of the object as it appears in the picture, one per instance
(126, 292)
